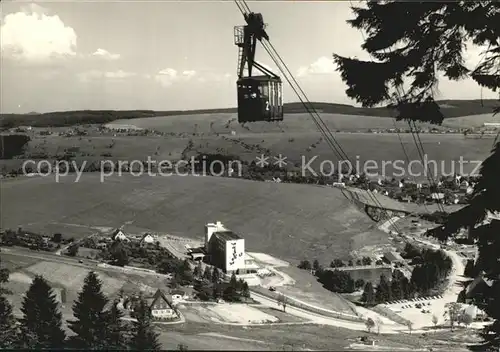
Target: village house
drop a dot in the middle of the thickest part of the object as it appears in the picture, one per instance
(147, 238)
(161, 307)
(393, 258)
(118, 235)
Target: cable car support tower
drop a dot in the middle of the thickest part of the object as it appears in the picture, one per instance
(260, 97)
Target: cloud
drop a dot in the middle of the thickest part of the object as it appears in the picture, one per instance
(168, 76)
(34, 35)
(321, 66)
(104, 54)
(188, 73)
(91, 75)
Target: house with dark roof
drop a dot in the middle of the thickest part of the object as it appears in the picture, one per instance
(146, 239)
(118, 235)
(478, 289)
(161, 306)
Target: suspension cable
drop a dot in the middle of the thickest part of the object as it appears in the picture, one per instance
(418, 144)
(336, 147)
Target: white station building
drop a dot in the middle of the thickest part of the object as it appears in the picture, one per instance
(226, 250)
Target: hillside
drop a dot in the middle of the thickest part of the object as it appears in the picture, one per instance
(286, 220)
(451, 108)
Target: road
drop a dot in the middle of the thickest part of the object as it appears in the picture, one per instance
(323, 320)
(93, 265)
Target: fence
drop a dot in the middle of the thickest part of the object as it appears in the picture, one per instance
(292, 302)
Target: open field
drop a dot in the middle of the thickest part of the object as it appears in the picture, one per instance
(226, 313)
(288, 221)
(471, 120)
(212, 341)
(266, 259)
(449, 108)
(292, 123)
(445, 149)
(70, 277)
(312, 337)
(310, 291)
(14, 263)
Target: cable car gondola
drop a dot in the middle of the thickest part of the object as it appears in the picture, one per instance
(260, 98)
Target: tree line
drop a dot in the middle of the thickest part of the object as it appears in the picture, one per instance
(431, 268)
(210, 286)
(95, 326)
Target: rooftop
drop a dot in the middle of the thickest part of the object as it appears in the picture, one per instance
(158, 294)
(227, 235)
(393, 256)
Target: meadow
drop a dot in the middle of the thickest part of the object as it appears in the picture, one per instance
(298, 144)
(289, 221)
(292, 123)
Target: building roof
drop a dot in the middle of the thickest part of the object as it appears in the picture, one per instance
(393, 257)
(147, 236)
(227, 235)
(157, 296)
(116, 233)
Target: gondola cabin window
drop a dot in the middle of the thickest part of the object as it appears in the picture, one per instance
(259, 99)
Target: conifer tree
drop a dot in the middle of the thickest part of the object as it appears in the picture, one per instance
(41, 324)
(215, 275)
(383, 292)
(90, 325)
(368, 294)
(207, 274)
(115, 329)
(4, 278)
(143, 338)
(427, 41)
(8, 328)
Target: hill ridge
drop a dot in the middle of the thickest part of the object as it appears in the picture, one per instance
(450, 108)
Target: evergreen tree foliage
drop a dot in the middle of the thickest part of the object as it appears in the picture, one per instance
(368, 296)
(41, 323)
(215, 276)
(198, 271)
(304, 264)
(4, 278)
(428, 40)
(336, 280)
(143, 338)
(207, 274)
(115, 329)
(90, 326)
(399, 285)
(383, 292)
(8, 328)
(316, 265)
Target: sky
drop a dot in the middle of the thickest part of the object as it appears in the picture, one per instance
(123, 55)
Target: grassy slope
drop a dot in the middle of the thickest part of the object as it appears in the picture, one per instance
(294, 146)
(290, 221)
(451, 108)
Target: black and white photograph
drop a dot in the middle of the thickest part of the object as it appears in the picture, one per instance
(250, 175)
